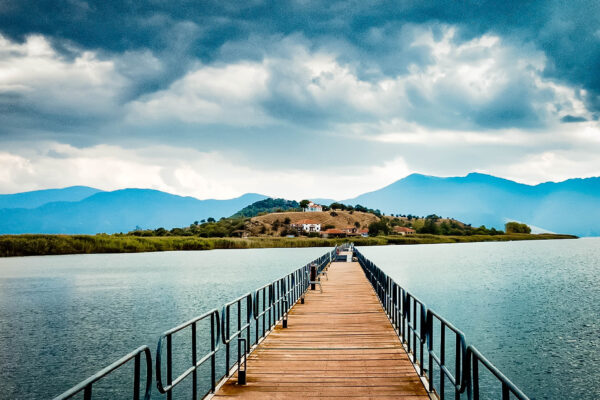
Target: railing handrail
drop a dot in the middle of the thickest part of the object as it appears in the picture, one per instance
(215, 336)
(86, 385)
(474, 356)
(461, 382)
(225, 310)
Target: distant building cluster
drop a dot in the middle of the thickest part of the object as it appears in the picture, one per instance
(312, 226)
(348, 231)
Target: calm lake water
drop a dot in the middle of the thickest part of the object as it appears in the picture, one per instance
(531, 307)
(62, 318)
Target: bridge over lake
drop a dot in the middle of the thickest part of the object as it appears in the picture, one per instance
(339, 343)
(336, 327)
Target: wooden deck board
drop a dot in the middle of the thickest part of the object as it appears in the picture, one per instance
(338, 344)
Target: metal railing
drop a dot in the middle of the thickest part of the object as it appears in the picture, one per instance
(267, 306)
(460, 349)
(415, 325)
(193, 369)
(508, 387)
(227, 337)
(86, 385)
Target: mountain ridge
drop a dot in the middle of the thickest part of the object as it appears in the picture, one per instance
(568, 206)
(121, 210)
(480, 199)
(37, 198)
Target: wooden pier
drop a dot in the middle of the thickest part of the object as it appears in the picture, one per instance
(339, 343)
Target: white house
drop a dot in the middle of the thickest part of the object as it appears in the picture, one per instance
(312, 207)
(307, 225)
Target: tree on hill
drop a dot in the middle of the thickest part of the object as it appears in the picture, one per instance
(515, 227)
(304, 204)
(337, 206)
(430, 225)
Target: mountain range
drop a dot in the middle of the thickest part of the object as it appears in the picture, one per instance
(109, 212)
(571, 206)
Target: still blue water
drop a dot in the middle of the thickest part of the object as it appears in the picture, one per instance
(532, 308)
(62, 318)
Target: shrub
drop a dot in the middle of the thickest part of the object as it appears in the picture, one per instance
(515, 227)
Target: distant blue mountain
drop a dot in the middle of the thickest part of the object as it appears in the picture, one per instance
(572, 206)
(118, 211)
(38, 198)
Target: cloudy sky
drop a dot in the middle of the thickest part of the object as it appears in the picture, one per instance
(295, 98)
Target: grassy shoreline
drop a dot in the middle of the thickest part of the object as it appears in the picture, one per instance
(35, 245)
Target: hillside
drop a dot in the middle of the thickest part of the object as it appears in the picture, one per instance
(566, 207)
(339, 220)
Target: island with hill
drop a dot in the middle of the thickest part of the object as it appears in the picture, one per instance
(276, 223)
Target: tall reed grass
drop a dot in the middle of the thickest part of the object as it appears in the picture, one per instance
(29, 245)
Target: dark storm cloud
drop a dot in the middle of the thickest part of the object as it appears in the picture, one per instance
(568, 32)
(572, 118)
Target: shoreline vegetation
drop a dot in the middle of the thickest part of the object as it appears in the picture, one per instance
(43, 244)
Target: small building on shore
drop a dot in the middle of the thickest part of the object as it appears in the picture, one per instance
(404, 231)
(312, 207)
(307, 225)
(364, 232)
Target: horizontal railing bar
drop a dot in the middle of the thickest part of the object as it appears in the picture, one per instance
(239, 299)
(188, 323)
(476, 356)
(107, 370)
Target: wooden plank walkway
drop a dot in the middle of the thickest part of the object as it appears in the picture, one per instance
(338, 344)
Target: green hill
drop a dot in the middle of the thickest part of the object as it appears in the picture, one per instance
(268, 206)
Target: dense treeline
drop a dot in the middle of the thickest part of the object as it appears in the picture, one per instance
(29, 245)
(431, 224)
(225, 227)
(358, 207)
(267, 206)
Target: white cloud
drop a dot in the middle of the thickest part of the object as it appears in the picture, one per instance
(550, 166)
(46, 82)
(180, 171)
(227, 95)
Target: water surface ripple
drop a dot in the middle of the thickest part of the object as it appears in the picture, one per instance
(532, 308)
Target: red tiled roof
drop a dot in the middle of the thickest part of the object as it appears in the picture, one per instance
(403, 229)
(333, 231)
